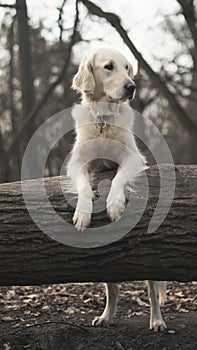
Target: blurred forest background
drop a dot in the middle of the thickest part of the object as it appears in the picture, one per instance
(36, 71)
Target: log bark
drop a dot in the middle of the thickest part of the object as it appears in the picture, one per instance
(29, 257)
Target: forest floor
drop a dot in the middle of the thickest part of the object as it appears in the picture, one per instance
(58, 317)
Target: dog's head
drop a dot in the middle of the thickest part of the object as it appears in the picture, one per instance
(105, 76)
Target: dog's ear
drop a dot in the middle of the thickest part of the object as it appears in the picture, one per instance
(84, 81)
(130, 71)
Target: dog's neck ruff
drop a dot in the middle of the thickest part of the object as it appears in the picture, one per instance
(103, 120)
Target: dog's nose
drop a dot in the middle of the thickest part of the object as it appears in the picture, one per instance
(130, 87)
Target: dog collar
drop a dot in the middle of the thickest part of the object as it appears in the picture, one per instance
(103, 119)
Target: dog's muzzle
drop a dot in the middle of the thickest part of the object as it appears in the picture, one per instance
(129, 90)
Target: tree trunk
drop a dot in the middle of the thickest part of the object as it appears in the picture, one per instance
(25, 58)
(28, 256)
(189, 13)
(3, 159)
(13, 169)
(26, 73)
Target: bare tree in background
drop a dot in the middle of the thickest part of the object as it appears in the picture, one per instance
(180, 75)
(190, 14)
(29, 95)
(181, 111)
(44, 65)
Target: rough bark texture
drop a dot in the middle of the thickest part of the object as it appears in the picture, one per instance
(28, 256)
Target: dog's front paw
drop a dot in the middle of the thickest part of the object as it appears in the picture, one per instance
(157, 324)
(101, 321)
(81, 220)
(116, 208)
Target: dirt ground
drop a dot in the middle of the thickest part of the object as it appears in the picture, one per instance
(58, 317)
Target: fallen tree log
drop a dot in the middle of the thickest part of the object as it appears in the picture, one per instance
(28, 256)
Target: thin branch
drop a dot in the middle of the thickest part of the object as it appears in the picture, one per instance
(48, 323)
(60, 20)
(8, 6)
(114, 20)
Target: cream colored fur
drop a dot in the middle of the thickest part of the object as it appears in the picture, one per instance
(105, 81)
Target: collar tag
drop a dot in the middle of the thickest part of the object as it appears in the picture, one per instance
(102, 121)
(101, 125)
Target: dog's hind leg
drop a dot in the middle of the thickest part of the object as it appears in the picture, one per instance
(156, 291)
(112, 292)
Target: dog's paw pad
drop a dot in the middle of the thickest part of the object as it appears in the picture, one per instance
(158, 325)
(101, 321)
(81, 220)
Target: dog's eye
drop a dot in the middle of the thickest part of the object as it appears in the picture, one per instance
(109, 66)
(127, 67)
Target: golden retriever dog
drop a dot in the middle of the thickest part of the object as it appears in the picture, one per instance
(103, 123)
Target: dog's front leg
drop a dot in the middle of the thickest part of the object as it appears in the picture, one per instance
(130, 167)
(83, 211)
(78, 171)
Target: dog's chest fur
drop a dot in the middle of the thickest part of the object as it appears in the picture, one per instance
(102, 123)
(95, 131)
